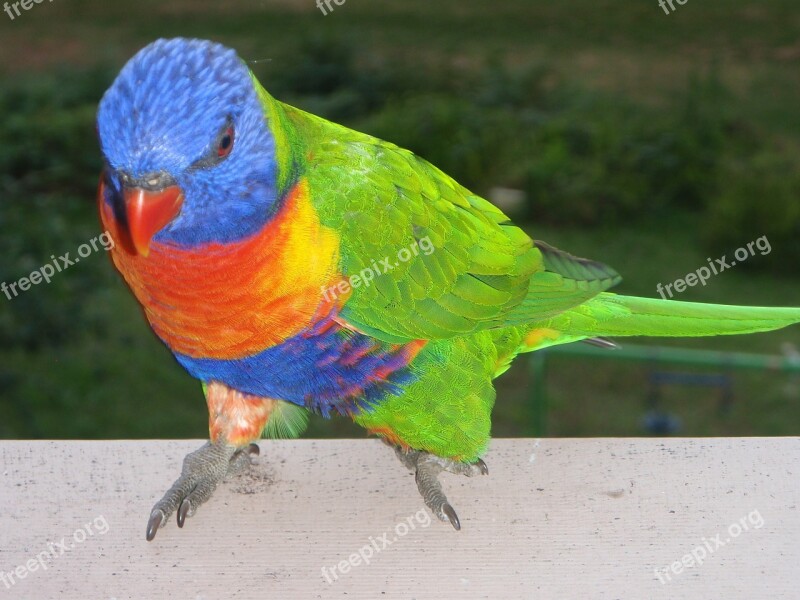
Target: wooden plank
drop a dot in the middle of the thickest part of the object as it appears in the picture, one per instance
(556, 518)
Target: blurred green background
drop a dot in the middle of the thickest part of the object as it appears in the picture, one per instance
(645, 140)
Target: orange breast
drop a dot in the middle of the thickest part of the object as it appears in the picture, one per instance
(232, 300)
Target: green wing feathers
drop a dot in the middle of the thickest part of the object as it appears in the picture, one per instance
(476, 270)
(455, 263)
(566, 281)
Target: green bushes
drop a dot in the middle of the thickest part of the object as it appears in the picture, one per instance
(761, 195)
(605, 160)
(49, 164)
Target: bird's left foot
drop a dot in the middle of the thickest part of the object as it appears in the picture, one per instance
(427, 468)
(202, 471)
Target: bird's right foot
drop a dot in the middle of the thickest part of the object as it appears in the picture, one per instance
(202, 471)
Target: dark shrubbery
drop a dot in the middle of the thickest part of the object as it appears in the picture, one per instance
(49, 165)
(761, 195)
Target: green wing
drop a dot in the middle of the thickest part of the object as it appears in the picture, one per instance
(443, 261)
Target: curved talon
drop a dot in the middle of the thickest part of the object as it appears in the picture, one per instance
(183, 510)
(202, 471)
(428, 467)
(451, 516)
(156, 519)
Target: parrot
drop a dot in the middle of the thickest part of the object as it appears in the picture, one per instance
(293, 266)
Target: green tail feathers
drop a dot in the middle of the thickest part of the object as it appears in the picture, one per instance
(612, 315)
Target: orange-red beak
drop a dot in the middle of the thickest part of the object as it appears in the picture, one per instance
(147, 212)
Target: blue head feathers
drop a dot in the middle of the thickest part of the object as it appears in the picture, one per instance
(187, 111)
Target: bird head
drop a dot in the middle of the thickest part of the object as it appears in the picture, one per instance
(189, 154)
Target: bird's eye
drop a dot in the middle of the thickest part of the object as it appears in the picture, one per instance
(219, 149)
(225, 143)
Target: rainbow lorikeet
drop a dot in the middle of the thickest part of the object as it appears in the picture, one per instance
(291, 265)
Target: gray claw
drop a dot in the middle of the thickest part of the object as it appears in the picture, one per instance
(156, 519)
(202, 471)
(427, 467)
(183, 510)
(451, 516)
